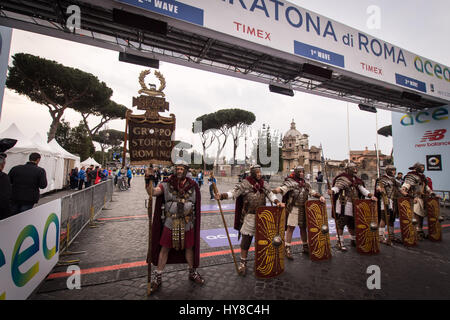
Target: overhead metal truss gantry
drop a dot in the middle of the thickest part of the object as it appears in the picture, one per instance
(199, 48)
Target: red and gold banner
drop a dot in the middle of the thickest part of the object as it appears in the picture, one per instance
(406, 216)
(433, 213)
(366, 226)
(269, 242)
(318, 231)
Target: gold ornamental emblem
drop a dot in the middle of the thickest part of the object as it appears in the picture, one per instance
(152, 92)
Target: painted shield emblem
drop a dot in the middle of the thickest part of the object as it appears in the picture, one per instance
(318, 231)
(407, 227)
(434, 225)
(366, 226)
(269, 242)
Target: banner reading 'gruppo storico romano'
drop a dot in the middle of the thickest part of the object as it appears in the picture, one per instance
(150, 141)
(291, 29)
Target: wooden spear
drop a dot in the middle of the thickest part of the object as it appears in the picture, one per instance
(225, 226)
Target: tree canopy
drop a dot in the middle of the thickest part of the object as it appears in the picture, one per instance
(56, 86)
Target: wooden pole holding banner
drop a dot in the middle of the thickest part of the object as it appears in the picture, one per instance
(226, 228)
(149, 252)
(127, 115)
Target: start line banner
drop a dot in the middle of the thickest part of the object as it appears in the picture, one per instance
(291, 29)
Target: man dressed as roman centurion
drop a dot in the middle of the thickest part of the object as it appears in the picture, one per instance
(346, 188)
(295, 191)
(176, 225)
(389, 188)
(250, 194)
(416, 187)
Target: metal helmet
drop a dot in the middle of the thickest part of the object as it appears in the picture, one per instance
(350, 166)
(253, 170)
(299, 168)
(181, 163)
(416, 166)
(390, 169)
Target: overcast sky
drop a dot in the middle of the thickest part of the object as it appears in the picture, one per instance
(421, 27)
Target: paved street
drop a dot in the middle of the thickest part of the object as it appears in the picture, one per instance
(113, 265)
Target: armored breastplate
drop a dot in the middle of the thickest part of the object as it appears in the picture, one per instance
(389, 186)
(417, 185)
(299, 196)
(253, 200)
(178, 206)
(349, 192)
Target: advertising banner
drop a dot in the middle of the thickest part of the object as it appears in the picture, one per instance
(424, 137)
(5, 43)
(286, 27)
(29, 249)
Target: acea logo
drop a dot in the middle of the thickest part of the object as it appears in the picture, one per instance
(433, 70)
(21, 270)
(438, 114)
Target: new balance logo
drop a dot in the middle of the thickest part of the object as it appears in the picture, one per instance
(433, 135)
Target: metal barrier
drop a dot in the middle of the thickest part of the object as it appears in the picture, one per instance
(445, 197)
(80, 208)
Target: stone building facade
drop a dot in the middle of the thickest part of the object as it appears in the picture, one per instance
(296, 151)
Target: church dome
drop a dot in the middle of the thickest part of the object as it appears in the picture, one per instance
(293, 132)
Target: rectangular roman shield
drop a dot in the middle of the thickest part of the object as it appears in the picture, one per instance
(366, 226)
(318, 231)
(406, 215)
(433, 213)
(269, 242)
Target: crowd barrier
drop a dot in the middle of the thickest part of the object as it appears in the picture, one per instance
(79, 209)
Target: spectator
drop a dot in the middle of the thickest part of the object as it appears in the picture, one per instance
(319, 180)
(211, 180)
(104, 175)
(5, 186)
(399, 178)
(89, 176)
(26, 180)
(129, 176)
(158, 175)
(73, 178)
(97, 175)
(200, 179)
(81, 177)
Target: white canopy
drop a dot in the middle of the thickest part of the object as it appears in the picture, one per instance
(23, 143)
(56, 146)
(88, 162)
(52, 158)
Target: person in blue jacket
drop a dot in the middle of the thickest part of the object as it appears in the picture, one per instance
(129, 176)
(81, 177)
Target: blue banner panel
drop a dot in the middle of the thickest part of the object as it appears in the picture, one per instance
(319, 54)
(171, 8)
(410, 83)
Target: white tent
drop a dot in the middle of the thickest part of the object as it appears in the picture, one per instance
(21, 151)
(88, 162)
(53, 159)
(69, 162)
